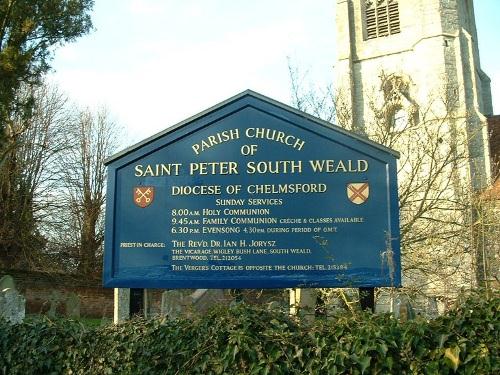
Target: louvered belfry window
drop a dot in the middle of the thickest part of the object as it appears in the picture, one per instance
(381, 18)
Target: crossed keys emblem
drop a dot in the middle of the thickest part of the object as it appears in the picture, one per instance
(358, 192)
(144, 195)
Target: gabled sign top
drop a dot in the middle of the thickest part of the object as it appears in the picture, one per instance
(238, 99)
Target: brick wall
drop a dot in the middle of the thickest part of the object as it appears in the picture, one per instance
(38, 288)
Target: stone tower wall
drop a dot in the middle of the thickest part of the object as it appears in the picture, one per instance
(438, 41)
(436, 49)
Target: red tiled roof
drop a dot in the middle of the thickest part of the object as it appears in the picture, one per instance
(493, 192)
(494, 135)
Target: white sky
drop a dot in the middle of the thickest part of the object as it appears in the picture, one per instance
(153, 63)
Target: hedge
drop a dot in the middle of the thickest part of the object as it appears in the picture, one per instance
(245, 339)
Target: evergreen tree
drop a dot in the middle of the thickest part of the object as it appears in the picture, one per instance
(29, 31)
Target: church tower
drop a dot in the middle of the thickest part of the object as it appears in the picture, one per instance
(414, 64)
(430, 43)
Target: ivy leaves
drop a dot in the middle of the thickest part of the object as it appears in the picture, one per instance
(246, 339)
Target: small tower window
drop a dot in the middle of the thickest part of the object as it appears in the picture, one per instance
(381, 18)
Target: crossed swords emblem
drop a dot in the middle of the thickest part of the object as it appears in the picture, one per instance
(143, 196)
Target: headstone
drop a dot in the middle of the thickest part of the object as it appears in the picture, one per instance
(54, 300)
(148, 303)
(335, 307)
(172, 303)
(384, 302)
(204, 299)
(432, 308)
(303, 303)
(177, 303)
(7, 282)
(404, 310)
(396, 306)
(12, 306)
(73, 306)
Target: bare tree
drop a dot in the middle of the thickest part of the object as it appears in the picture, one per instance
(435, 193)
(52, 185)
(94, 137)
(28, 179)
(317, 101)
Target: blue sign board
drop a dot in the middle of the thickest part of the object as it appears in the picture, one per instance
(252, 194)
